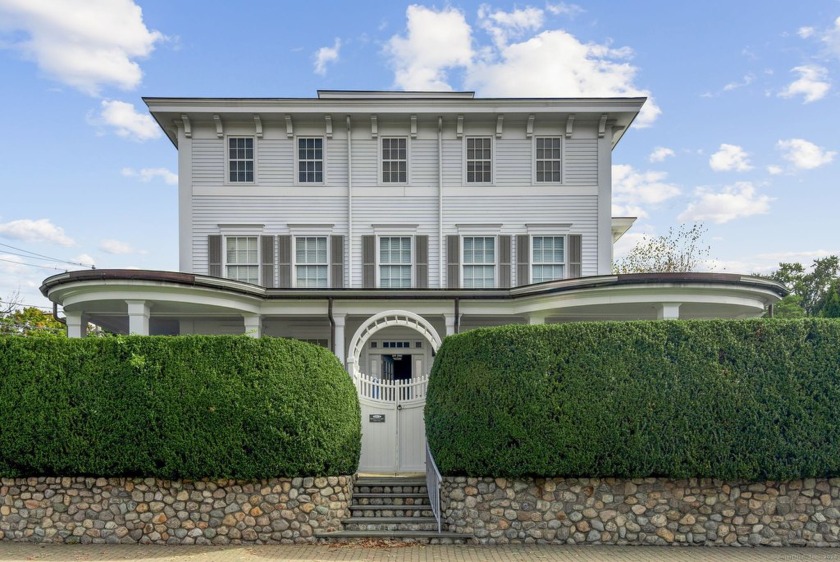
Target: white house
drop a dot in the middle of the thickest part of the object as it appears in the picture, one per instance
(376, 223)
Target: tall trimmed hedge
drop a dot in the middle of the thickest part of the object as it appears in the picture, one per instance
(175, 407)
(750, 400)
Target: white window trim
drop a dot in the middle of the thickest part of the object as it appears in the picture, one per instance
(225, 263)
(380, 161)
(296, 160)
(492, 160)
(411, 248)
(495, 238)
(562, 160)
(227, 160)
(531, 263)
(294, 263)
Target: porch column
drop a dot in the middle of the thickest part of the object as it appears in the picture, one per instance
(76, 324)
(668, 311)
(338, 343)
(138, 318)
(449, 320)
(534, 319)
(253, 325)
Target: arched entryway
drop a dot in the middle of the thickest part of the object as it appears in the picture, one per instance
(393, 430)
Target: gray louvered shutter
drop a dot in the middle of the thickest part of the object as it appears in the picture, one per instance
(421, 261)
(523, 259)
(284, 261)
(453, 261)
(337, 262)
(575, 252)
(214, 255)
(504, 261)
(267, 258)
(369, 261)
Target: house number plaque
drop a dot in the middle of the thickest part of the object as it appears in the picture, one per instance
(376, 418)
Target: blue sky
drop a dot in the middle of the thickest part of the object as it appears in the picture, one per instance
(739, 133)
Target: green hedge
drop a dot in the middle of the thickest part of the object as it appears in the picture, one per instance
(750, 400)
(175, 407)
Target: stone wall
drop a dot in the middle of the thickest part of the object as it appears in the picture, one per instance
(649, 511)
(136, 510)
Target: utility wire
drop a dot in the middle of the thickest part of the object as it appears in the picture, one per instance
(35, 265)
(42, 256)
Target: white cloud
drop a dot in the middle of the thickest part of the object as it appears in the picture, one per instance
(562, 8)
(551, 63)
(503, 25)
(660, 153)
(116, 247)
(149, 174)
(730, 157)
(40, 230)
(436, 41)
(326, 55)
(812, 83)
(86, 44)
(805, 32)
(805, 155)
(634, 190)
(127, 121)
(774, 170)
(85, 260)
(733, 202)
(745, 81)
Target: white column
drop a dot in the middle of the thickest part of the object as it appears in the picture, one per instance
(76, 324)
(253, 325)
(338, 344)
(534, 319)
(668, 311)
(449, 320)
(138, 318)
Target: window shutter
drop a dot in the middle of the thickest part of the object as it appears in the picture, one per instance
(368, 261)
(284, 261)
(337, 262)
(214, 255)
(453, 261)
(575, 252)
(523, 259)
(421, 253)
(267, 257)
(504, 261)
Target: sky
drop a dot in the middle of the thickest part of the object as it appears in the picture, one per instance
(739, 132)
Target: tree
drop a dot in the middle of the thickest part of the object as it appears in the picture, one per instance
(831, 305)
(28, 321)
(810, 290)
(678, 251)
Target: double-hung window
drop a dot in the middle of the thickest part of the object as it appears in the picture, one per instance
(548, 258)
(479, 160)
(311, 263)
(394, 160)
(240, 159)
(310, 160)
(548, 160)
(479, 262)
(242, 258)
(395, 262)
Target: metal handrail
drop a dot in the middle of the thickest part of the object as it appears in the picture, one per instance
(433, 480)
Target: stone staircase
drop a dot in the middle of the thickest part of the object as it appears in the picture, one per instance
(395, 508)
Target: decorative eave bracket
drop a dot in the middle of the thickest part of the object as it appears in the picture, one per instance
(529, 128)
(459, 127)
(499, 125)
(570, 125)
(220, 130)
(187, 128)
(328, 126)
(602, 126)
(290, 129)
(414, 126)
(258, 126)
(374, 126)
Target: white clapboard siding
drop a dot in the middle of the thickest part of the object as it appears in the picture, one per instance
(513, 163)
(208, 162)
(423, 162)
(453, 167)
(581, 165)
(336, 162)
(365, 162)
(275, 162)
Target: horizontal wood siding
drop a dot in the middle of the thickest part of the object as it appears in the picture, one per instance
(513, 163)
(336, 162)
(453, 166)
(365, 162)
(423, 162)
(208, 162)
(581, 162)
(275, 162)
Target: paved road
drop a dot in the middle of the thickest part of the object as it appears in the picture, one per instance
(379, 552)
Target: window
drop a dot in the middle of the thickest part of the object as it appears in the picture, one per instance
(548, 258)
(241, 159)
(311, 261)
(479, 262)
(242, 259)
(395, 262)
(310, 160)
(548, 159)
(394, 160)
(479, 160)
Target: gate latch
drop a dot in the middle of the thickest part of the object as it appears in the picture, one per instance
(399, 406)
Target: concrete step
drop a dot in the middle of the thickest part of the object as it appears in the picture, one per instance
(382, 495)
(391, 511)
(425, 537)
(390, 524)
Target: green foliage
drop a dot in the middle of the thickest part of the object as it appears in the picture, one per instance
(753, 400)
(29, 321)
(175, 407)
(831, 304)
(678, 251)
(811, 287)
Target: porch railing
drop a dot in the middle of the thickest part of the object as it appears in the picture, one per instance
(433, 480)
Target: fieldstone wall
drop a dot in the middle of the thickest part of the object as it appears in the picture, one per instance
(649, 511)
(136, 510)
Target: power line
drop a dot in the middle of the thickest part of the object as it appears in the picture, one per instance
(35, 265)
(42, 256)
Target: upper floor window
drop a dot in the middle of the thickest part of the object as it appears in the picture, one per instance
(479, 160)
(548, 258)
(395, 262)
(311, 263)
(242, 258)
(394, 160)
(310, 160)
(479, 262)
(548, 159)
(241, 159)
